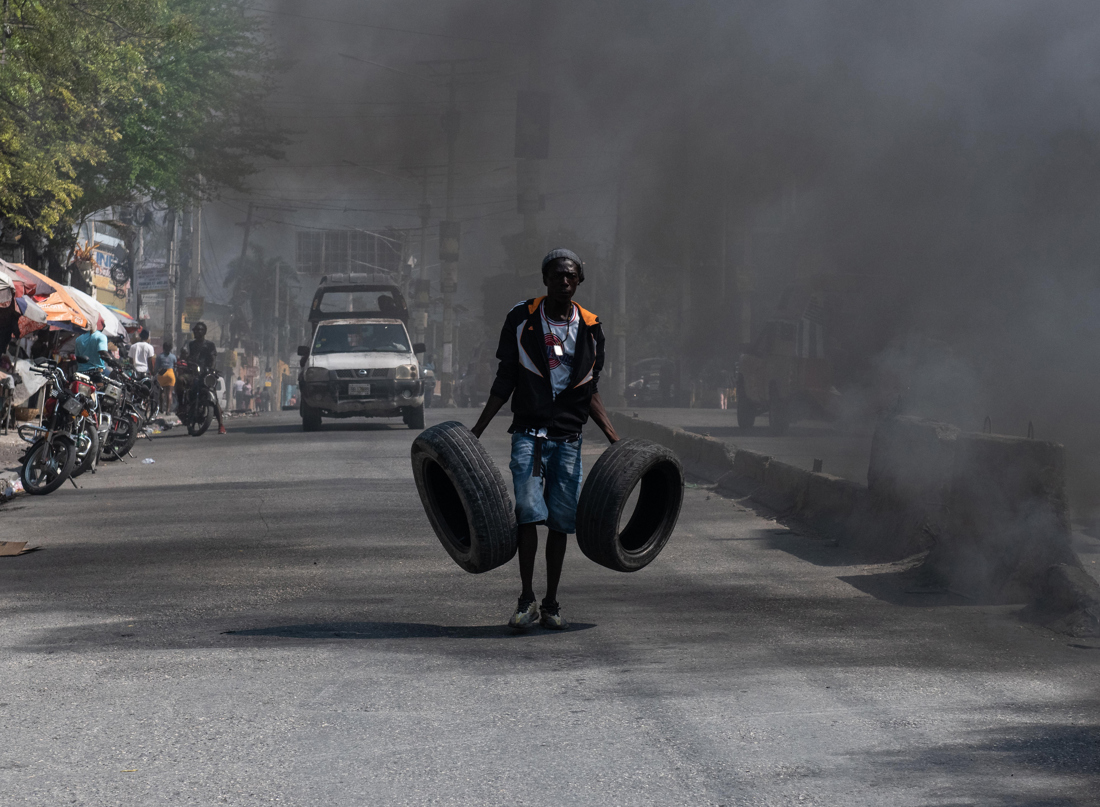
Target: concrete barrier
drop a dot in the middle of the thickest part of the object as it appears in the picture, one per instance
(1005, 518)
(833, 505)
(1068, 601)
(701, 456)
(911, 462)
(784, 488)
(990, 510)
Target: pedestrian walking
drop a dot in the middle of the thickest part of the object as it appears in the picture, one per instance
(238, 392)
(143, 354)
(550, 356)
(165, 368)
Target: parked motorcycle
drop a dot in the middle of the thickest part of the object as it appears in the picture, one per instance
(122, 418)
(55, 445)
(197, 402)
(90, 441)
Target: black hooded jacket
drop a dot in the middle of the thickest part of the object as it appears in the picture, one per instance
(524, 373)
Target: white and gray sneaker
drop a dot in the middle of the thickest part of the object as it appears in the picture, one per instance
(550, 616)
(526, 615)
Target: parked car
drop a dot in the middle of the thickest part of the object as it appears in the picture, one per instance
(653, 383)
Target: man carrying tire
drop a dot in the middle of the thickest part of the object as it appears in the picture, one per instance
(550, 356)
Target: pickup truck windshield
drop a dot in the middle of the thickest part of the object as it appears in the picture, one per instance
(361, 337)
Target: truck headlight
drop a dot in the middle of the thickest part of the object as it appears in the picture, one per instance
(405, 372)
(316, 374)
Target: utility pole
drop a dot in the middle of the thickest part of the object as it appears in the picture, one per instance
(196, 249)
(528, 170)
(449, 259)
(422, 287)
(136, 263)
(276, 376)
(247, 232)
(685, 391)
(170, 323)
(619, 369)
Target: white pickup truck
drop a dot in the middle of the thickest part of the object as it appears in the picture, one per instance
(360, 361)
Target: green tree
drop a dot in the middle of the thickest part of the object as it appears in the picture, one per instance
(106, 101)
(253, 295)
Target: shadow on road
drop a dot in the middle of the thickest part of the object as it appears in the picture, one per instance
(397, 630)
(296, 428)
(1015, 764)
(905, 588)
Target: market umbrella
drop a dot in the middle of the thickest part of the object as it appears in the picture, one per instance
(61, 309)
(111, 326)
(23, 284)
(31, 315)
(30, 309)
(128, 322)
(9, 272)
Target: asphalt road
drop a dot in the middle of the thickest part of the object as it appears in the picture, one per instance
(266, 618)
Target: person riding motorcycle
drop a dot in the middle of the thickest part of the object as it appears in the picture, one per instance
(202, 355)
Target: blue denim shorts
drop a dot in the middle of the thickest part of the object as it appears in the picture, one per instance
(551, 496)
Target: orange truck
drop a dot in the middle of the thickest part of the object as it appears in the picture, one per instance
(785, 370)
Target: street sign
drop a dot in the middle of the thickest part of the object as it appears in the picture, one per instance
(193, 308)
(152, 277)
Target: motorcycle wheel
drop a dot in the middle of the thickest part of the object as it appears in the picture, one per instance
(86, 460)
(201, 423)
(115, 446)
(47, 466)
(136, 425)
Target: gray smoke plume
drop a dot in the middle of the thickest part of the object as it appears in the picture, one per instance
(934, 166)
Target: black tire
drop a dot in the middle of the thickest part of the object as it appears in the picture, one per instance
(621, 468)
(136, 425)
(118, 438)
(779, 413)
(414, 417)
(39, 483)
(311, 418)
(88, 461)
(746, 412)
(465, 497)
(198, 427)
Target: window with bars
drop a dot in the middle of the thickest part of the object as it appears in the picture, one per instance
(324, 252)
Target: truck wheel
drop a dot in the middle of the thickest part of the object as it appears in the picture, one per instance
(779, 413)
(746, 412)
(624, 466)
(311, 418)
(414, 417)
(464, 496)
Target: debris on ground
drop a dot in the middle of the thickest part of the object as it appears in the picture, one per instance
(9, 549)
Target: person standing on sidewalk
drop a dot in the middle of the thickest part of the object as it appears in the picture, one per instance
(550, 356)
(238, 393)
(143, 354)
(165, 367)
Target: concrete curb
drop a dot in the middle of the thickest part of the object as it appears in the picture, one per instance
(910, 509)
(701, 456)
(1069, 602)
